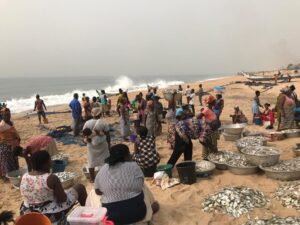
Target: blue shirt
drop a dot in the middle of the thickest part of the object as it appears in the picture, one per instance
(76, 108)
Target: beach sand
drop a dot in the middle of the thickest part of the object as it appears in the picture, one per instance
(180, 204)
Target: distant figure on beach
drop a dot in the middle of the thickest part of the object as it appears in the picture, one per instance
(40, 107)
(180, 91)
(124, 119)
(219, 105)
(76, 114)
(95, 103)
(35, 144)
(104, 103)
(87, 108)
(187, 94)
(9, 139)
(151, 119)
(43, 192)
(192, 101)
(256, 105)
(200, 94)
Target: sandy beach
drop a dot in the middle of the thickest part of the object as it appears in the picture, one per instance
(180, 204)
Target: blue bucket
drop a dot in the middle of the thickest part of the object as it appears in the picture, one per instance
(258, 121)
(58, 166)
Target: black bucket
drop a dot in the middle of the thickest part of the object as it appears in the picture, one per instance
(187, 172)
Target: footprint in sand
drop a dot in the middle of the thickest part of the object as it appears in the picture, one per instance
(185, 193)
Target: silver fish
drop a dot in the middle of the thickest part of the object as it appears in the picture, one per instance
(275, 221)
(64, 176)
(250, 141)
(287, 165)
(289, 194)
(234, 201)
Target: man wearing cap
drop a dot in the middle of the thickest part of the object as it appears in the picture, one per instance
(98, 145)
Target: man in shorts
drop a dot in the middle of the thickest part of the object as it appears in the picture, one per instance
(40, 107)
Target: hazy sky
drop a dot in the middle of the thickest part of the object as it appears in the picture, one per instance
(162, 37)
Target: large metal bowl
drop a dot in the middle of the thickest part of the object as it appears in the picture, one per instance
(242, 170)
(231, 137)
(297, 150)
(268, 160)
(292, 133)
(245, 142)
(234, 128)
(281, 175)
(204, 168)
(15, 177)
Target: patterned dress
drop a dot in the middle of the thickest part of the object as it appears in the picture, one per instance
(39, 197)
(147, 155)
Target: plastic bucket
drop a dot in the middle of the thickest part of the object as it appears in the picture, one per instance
(187, 172)
(58, 166)
(166, 168)
(257, 121)
(33, 218)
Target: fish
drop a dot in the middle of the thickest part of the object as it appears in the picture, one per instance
(250, 141)
(234, 201)
(238, 160)
(289, 194)
(275, 221)
(64, 176)
(291, 165)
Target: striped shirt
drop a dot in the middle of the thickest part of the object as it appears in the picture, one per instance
(119, 182)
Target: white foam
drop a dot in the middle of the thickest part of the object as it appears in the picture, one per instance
(124, 82)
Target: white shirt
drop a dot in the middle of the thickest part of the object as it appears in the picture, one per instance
(192, 99)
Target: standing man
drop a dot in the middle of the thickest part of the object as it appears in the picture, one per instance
(76, 115)
(200, 93)
(187, 94)
(40, 107)
(192, 101)
(103, 101)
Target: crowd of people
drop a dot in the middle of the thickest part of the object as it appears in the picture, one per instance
(120, 181)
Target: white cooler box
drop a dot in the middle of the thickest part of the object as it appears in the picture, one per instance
(87, 216)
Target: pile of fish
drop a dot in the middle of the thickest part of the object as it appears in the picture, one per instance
(234, 201)
(203, 165)
(286, 165)
(289, 194)
(260, 150)
(220, 156)
(250, 141)
(275, 221)
(64, 176)
(238, 160)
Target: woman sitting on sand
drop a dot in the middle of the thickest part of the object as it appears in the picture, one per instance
(34, 145)
(268, 115)
(238, 116)
(99, 143)
(145, 153)
(43, 192)
(120, 183)
(9, 139)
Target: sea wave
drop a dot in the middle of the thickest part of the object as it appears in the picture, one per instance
(124, 82)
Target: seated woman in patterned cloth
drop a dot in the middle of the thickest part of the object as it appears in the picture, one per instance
(34, 145)
(145, 153)
(43, 192)
(120, 183)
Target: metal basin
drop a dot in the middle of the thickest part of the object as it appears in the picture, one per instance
(15, 177)
(242, 170)
(281, 175)
(256, 159)
(231, 137)
(204, 168)
(234, 128)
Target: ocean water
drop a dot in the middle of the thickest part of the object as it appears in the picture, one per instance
(19, 93)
